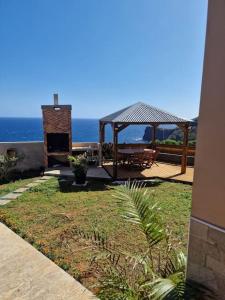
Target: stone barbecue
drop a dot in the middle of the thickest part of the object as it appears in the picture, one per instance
(57, 133)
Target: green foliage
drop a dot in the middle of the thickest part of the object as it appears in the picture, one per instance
(80, 166)
(138, 210)
(47, 188)
(170, 284)
(6, 164)
(159, 272)
(171, 142)
(79, 161)
(12, 186)
(192, 143)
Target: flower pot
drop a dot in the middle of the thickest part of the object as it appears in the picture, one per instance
(64, 184)
(80, 178)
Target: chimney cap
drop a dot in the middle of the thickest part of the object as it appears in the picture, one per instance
(56, 99)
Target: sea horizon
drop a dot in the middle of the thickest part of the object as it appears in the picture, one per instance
(28, 129)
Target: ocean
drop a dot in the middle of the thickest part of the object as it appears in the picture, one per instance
(83, 130)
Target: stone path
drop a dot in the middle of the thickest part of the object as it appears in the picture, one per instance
(17, 193)
(26, 274)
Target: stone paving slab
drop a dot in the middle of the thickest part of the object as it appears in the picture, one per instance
(21, 190)
(39, 181)
(11, 196)
(3, 202)
(26, 274)
(17, 193)
(32, 184)
(45, 177)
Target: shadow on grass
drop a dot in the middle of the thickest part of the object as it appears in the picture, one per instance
(66, 186)
(92, 185)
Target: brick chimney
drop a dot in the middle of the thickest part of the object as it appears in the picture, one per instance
(57, 133)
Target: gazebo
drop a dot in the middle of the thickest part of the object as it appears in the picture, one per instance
(141, 114)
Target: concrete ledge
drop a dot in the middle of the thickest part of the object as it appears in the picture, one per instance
(27, 274)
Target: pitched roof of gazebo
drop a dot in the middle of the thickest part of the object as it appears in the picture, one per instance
(142, 113)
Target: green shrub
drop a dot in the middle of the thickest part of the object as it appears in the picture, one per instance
(6, 165)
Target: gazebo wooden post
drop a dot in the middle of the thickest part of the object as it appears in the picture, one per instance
(115, 149)
(101, 140)
(154, 128)
(185, 148)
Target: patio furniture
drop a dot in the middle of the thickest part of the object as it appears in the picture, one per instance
(130, 156)
(136, 160)
(150, 157)
(92, 158)
(141, 114)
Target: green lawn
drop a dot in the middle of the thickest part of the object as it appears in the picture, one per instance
(44, 216)
(12, 186)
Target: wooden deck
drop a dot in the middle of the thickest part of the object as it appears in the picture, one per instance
(161, 170)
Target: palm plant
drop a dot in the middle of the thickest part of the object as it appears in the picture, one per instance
(157, 274)
(164, 269)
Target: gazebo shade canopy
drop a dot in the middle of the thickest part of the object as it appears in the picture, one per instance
(144, 114)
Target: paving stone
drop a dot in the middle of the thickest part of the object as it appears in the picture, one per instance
(21, 190)
(27, 274)
(39, 181)
(45, 177)
(3, 202)
(32, 184)
(11, 196)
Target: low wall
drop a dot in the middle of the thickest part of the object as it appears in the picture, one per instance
(32, 152)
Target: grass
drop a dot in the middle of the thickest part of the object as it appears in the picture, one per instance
(12, 186)
(45, 217)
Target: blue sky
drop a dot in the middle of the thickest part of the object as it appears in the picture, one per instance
(101, 55)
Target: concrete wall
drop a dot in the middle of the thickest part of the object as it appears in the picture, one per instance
(206, 260)
(33, 153)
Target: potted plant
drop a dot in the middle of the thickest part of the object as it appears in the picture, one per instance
(80, 166)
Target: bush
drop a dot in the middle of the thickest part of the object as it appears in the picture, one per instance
(6, 165)
(171, 142)
(192, 143)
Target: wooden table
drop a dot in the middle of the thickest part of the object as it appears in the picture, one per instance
(133, 155)
(130, 151)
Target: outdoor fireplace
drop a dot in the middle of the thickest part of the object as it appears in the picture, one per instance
(57, 133)
(57, 142)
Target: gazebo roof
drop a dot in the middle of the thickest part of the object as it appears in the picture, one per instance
(142, 113)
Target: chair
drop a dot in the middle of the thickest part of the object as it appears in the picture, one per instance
(150, 157)
(121, 158)
(91, 157)
(137, 159)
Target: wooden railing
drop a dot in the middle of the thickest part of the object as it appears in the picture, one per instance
(170, 149)
(85, 144)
